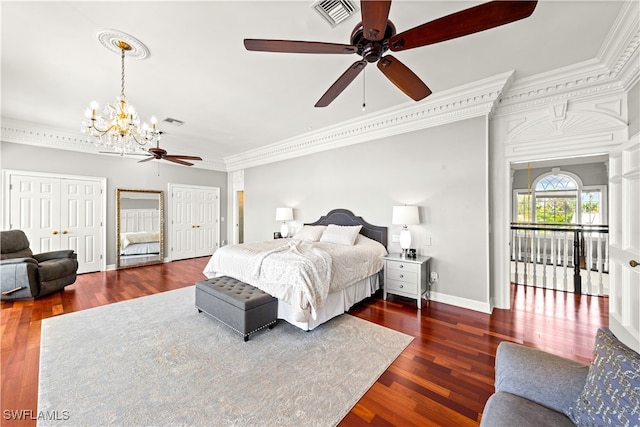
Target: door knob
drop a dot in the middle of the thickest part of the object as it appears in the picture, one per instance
(65, 232)
(55, 232)
(633, 263)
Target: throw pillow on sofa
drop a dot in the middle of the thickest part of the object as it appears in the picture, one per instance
(611, 395)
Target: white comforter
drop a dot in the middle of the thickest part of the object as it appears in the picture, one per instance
(299, 272)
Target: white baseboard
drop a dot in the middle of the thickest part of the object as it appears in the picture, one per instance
(483, 307)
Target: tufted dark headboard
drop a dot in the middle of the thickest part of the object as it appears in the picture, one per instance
(346, 217)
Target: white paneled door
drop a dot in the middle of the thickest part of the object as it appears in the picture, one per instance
(624, 249)
(194, 221)
(59, 213)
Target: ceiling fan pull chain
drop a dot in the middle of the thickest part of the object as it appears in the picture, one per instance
(364, 104)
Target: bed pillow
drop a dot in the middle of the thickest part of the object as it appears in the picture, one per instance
(611, 395)
(341, 234)
(310, 233)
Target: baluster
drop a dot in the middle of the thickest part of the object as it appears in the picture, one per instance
(534, 258)
(525, 258)
(565, 262)
(517, 256)
(544, 259)
(599, 263)
(589, 260)
(554, 258)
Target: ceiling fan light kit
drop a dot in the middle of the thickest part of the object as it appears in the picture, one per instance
(376, 34)
(119, 127)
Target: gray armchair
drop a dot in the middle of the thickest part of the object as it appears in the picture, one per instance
(25, 275)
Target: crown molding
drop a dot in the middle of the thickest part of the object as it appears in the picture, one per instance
(29, 133)
(464, 102)
(615, 70)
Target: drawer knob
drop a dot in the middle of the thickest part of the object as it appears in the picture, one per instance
(401, 266)
(401, 276)
(401, 286)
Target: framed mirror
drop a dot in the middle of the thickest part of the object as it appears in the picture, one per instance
(139, 227)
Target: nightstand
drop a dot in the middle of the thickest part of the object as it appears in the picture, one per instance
(407, 277)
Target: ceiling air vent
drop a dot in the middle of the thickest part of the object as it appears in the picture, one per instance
(335, 11)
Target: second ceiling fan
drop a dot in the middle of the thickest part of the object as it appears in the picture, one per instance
(161, 154)
(376, 34)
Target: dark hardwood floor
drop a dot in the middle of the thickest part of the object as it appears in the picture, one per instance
(443, 377)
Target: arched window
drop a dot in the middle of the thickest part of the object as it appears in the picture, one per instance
(558, 197)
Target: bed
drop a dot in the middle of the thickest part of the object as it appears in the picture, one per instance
(139, 243)
(322, 271)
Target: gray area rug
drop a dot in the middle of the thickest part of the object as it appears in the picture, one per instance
(157, 361)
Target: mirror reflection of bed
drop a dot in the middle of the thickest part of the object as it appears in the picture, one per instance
(140, 227)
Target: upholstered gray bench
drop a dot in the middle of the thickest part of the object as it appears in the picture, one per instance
(238, 305)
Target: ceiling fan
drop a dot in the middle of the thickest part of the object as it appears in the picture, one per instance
(161, 154)
(376, 34)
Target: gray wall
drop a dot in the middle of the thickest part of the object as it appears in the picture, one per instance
(120, 173)
(442, 170)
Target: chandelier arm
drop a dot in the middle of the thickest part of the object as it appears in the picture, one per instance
(100, 131)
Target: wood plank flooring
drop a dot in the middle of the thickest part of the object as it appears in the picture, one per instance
(444, 377)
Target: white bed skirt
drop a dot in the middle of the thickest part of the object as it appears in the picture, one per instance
(336, 303)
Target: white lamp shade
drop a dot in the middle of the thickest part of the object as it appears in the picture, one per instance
(405, 215)
(284, 214)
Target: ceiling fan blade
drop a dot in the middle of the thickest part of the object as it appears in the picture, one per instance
(375, 15)
(297, 46)
(146, 160)
(343, 81)
(182, 157)
(178, 161)
(405, 79)
(468, 21)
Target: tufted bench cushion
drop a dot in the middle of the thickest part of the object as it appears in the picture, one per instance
(238, 305)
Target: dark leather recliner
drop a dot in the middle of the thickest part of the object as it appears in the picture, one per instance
(25, 275)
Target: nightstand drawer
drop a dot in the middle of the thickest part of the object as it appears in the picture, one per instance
(397, 285)
(402, 266)
(402, 276)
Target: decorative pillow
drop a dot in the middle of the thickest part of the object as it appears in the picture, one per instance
(611, 396)
(310, 233)
(341, 234)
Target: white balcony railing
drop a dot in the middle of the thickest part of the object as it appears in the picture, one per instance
(567, 257)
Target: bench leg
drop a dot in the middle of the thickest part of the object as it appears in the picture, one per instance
(246, 338)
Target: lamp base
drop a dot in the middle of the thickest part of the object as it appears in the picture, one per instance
(405, 241)
(284, 230)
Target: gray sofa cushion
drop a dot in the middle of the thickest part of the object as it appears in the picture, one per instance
(508, 410)
(611, 395)
(547, 379)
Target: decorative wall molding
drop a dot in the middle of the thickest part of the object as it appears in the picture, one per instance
(471, 100)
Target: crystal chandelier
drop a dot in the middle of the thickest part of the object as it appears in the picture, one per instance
(119, 128)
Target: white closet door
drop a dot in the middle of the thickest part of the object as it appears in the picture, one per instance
(194, 221)
(182, 223)
(207, 221)
(624, 244)
(81, 222)
(35, 209)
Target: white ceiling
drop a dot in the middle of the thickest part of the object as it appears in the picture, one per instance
(232, 100)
